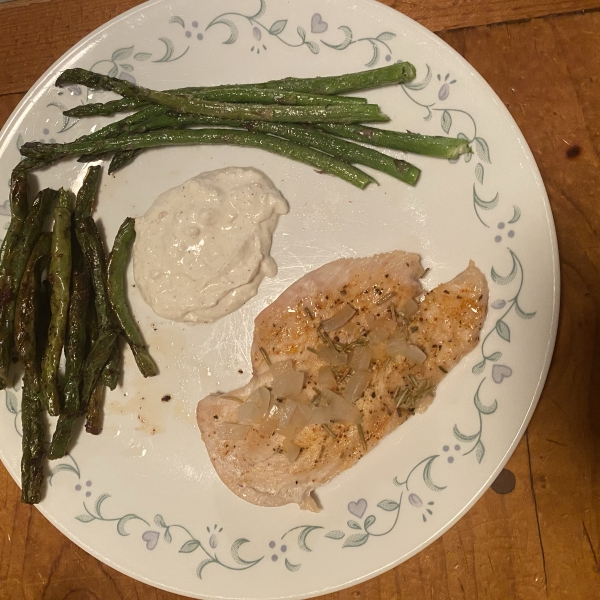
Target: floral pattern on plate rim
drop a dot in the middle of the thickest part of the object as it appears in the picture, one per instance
(359, 529)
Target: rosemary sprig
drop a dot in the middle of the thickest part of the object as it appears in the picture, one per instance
(342, 373)
(408, 397)
(361, 341)
(386, 298)
(329, 431)
(361, 436)
(265, 356)
(326, 339)
(317, 397)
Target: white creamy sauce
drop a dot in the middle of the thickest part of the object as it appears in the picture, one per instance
(202, 248)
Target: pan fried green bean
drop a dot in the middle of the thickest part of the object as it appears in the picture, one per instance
(14, 267)
(118, 300)
(75, 346)
(59, 275)
(26, 322)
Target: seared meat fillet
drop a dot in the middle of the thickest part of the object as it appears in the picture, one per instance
(353, 330)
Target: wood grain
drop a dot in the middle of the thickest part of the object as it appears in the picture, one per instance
(444, 15)
(533, 78)
(8, 103)
(34, 35)
(540, 541)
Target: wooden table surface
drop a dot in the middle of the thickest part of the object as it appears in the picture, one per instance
(540, 540)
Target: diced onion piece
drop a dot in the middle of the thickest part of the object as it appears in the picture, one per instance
(286, 412)
(352, 329)
(267, 427)
(269, 424)
(326, 378)
(281, 367)
(390, 325)
(289, 431)
(398, 346)
(303, 397)
(341, 410)
(293, 418)
(409, 308)
(320, 415)
(249, 413)
(261, 398)
(360, 358)
(331, 356)
(415, 354)
(371, 321)
(378, 335)
(301, 416)
(340, 318)
(287, 385)
(356, 385)
(232, 431)
(290, 450)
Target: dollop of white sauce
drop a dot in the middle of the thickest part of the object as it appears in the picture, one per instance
(202, 249)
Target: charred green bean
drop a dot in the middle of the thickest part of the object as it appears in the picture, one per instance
(117, 296)
(75, 347)
(10, 278)
(59, 275)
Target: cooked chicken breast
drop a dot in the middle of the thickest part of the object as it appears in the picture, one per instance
(343, 357)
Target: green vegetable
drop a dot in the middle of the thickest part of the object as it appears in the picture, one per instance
(437, 146)
(96, 360)
(317, 159)
(301, 134)
(336, 84)
(93, 251)
(148, 119)
(93, 421)
(102, 347)
(19, 207)
(86, 196)
(347, 112)
(82, 328)
(348, 151)
(34, 431)
(258, 95)
(75, 347)
(59, 275)
(123, 158)
(26, 322)
(117, 296)
(14, 267)
(104, 109)
(112, 369)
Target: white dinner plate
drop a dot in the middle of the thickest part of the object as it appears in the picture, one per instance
(143, 496)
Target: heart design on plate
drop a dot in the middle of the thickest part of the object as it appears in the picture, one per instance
(499, 372)
(358, 508)
(317, 25)
(151, 539)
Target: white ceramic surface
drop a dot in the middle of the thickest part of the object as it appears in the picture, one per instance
(142, 496)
